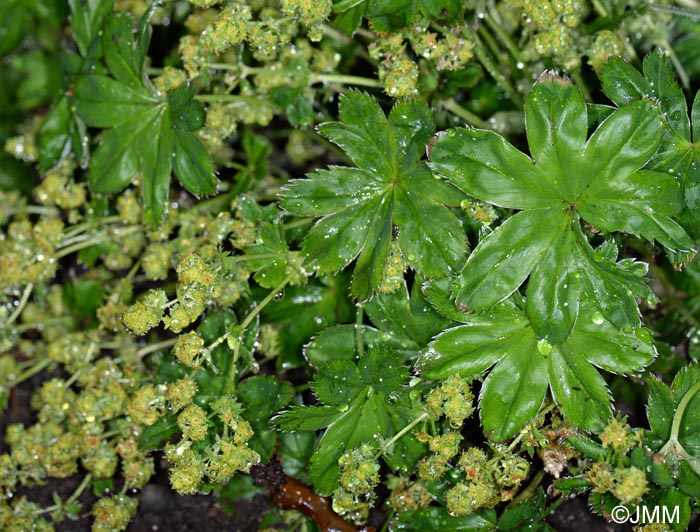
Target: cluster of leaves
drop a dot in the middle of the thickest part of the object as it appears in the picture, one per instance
(346, 321)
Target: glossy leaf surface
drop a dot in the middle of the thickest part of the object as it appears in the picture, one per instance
(391, 195)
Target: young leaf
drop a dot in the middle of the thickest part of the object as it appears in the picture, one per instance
(360, 411)
(391, 191)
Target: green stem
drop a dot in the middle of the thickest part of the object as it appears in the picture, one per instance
(493, 70)
(400, 434)
(346, 80)
(152, 348)
(77, 493)
(88, 356)
(470, 118)
(20, 306)
(359, 341)
(93, 240)
(682, 74)
(600, 8)
(529, 491)
(506, 40)
(678, 416)
(297, 223)
(581, 85)
(678, 11)
(247, 321)
(492, 45)
(33, 370)
(79, 228)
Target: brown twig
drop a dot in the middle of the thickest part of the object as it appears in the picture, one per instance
(288, 492)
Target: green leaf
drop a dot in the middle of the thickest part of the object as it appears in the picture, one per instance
(192, 164)
(598, 180)
(117, 161)
(609, 348)
(338, 382)
(676, 505)
(524, 367)
(640, 205)
(150, 137)
(556, 123)
(469, 350)
(156, 169)
(391, 195)
(660, 408)
(611, 286)
(406, 316)
(154, 436)
(339, 343)
(437, 519)
(263, 396)
(553, 291)
(86, 20)
(118, 45)
(104, 102)
(271, 246)
(514, 390)
(484, 165)
(187, 114)
(307, 417)
(678, 154)
(688, 480)
(387, 16)
(55, 134)
(579, 390)
(305, 311)
(295, 451)
(15, 20)
(503, 260)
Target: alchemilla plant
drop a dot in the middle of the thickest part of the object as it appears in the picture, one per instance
(400, 265)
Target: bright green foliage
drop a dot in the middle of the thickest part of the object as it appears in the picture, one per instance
(359, 405)
(150, 134)
(679, 154)
(514, 390)
(569, 179)
(391, 191)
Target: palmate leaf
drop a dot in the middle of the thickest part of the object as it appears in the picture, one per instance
(150, 134)
(513, 391)
(679, 153)
(363, 403)
(570, 179)
(390, 193)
